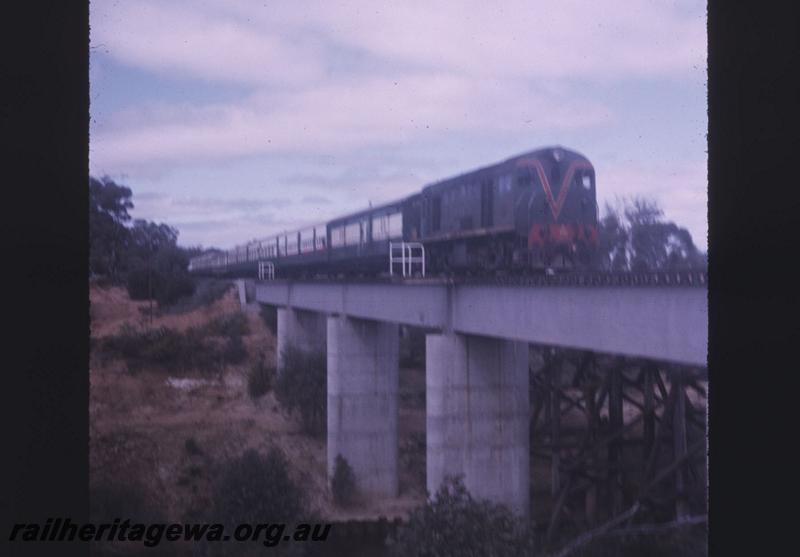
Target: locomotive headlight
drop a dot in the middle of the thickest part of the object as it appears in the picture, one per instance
(557, 154)
(587, 182)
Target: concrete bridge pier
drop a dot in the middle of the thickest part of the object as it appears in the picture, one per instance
(478, 416)
(305, 330)
(363, 372)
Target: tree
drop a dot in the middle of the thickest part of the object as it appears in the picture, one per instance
(110, 199)
(148, 238)
(637, 238)
(108, 236)
(145, 255)
(613, 241)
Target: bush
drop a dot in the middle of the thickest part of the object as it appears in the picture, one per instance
(231, 325)
(454, 524)
(165, 287)
(108, 501)
(343, 483)
(234, 351)
(141, 283)
(173, 288)
(260, 379)
(192, 447)
(162, 347)
(302, 386)
(257, 490)
(206, 292)
(689, 541)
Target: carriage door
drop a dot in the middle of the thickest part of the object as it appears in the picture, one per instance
(487, 205)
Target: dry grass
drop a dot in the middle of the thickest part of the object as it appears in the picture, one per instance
(140, 424)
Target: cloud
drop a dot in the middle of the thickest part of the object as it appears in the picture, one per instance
(227, 220)
(200, 40)
(339, 116)
(283, 42)
(432, 67)
(316, 200)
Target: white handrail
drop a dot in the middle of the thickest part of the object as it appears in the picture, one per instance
(407, 257)
(266, 270)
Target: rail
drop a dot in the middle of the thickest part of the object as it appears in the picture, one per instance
(407, 257)
(266, 270)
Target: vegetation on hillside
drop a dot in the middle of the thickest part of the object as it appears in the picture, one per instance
(255, 489)
(455, 524)
(302, 387)
(142, 255)
(260, 378)
(204, 348)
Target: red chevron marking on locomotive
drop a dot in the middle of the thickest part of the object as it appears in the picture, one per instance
(555, 204)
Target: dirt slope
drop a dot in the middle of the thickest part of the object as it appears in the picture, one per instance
(141, 424)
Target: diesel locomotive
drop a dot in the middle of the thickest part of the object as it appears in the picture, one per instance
(532, 212)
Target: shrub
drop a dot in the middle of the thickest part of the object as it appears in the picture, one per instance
(689, 541)
(206, 292)
(455, 524)
(173, 288)
(343, 483)
(260, 379)
(165, 287)
(230, 325)
(140, 283)
(302, 387)
(108, 501)
(192, 447)
(256, 490)
(234, 351)
(162, 347)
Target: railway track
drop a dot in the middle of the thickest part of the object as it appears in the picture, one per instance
(667, 279)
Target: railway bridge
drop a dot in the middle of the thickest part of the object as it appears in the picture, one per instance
(478, 402)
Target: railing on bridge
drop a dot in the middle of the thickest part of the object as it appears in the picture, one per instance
(266, 270)
(411, 253)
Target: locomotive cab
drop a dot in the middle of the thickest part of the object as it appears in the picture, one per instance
(557, 214)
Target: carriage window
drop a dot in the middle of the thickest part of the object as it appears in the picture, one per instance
(292, 244)
(504, 183)
(307, 240)
(337, 236)
(395, 225)
(380, 227)
(320, 234)
(387, 226)
(352, 234)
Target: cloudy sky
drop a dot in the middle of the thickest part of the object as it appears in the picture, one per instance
(234, 119)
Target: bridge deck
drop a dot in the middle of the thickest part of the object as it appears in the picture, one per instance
(657, 322)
